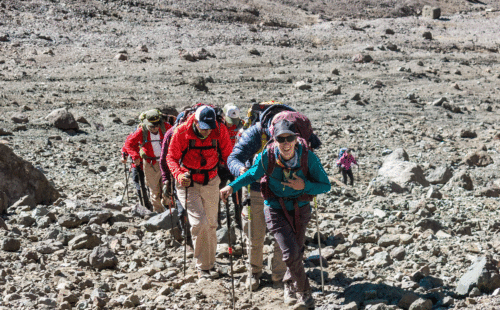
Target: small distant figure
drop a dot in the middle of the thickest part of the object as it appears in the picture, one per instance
(345, 161)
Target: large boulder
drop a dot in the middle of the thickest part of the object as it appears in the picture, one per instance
(4, 202)
(397, 169)
(19, 178)
(62, 119)
(483, 274)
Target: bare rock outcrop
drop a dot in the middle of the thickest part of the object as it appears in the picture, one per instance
(19, 178)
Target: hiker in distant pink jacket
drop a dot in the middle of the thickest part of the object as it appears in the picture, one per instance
(345, 163)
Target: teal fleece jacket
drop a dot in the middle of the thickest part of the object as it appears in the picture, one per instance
(317, 183)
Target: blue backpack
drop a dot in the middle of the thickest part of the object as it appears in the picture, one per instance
(341, 152)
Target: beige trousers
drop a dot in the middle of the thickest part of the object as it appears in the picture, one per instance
(258, 227)
(202, 208)
(152, 174)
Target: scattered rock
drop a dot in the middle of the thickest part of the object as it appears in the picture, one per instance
(302, 85)
(427, 35)
(198, 83)
(121, 57)
(62, 119)
(163, 221)
(20, 118)
(199, 54)
(421, 304)
(102, 258)
(440, 175)
(142, 48)
(431, 12)
(11, 244)
(479, 159)
(362, 58)
(461, 179)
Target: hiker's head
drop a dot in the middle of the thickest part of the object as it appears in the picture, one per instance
(232, 114)
(205, 120)
(152, 120)
(284, 134)
(348, 151)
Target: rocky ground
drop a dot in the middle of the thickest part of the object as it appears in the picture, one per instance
(416, 97)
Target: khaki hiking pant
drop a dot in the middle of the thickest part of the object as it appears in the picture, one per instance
(152, 174)
(278, 267)
(202, 209)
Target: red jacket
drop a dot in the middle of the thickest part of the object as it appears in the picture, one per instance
(125, 155)
(134, 141)
(233, 133)
(193, 157)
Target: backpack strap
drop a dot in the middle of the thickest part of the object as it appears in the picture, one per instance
(162, 128)
(192, 146)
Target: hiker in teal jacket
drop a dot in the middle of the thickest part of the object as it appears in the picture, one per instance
(287, 193)
(318, 185)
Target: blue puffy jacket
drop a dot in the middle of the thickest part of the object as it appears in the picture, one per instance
(250, 143)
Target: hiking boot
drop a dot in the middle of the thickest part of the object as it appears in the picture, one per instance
(304, 301)
(214, 273)
(254, 281)
(203, 274)
(289, 297)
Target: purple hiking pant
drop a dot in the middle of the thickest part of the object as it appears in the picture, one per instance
(291, 244)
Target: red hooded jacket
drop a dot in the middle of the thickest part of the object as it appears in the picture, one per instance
(194, 157)
(134, 141)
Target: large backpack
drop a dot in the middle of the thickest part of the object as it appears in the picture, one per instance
(301, 122)
(254, 112)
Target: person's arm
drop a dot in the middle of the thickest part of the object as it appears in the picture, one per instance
(354, 161)
(255, 173)
(132, 143)
(319, 183)
(175, 149)
(244, 150)
(225, 143)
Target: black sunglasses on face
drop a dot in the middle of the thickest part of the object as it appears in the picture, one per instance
(155, 125)
(287, 139)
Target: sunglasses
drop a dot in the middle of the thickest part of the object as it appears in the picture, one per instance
(155, 125)
(287, 139)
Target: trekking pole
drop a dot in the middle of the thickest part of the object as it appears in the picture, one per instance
(249, 246)
(172, 201)
(319, 244)
(143, 192)
(185, 226)
(237, 209)
(230, 249)
(126, 183)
